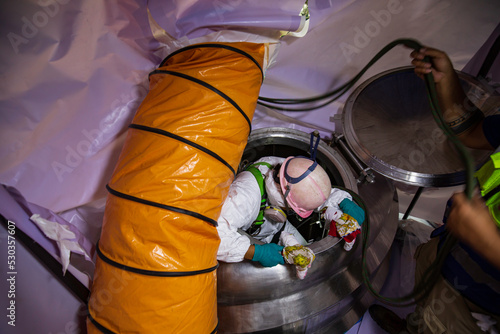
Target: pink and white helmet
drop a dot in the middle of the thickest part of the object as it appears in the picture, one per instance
(305, 184)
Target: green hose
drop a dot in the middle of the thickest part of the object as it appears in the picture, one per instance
(434, 271)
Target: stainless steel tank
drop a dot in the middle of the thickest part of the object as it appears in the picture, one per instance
(332, 298)
(388, 129)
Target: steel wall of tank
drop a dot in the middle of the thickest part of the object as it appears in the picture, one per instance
(332, 298)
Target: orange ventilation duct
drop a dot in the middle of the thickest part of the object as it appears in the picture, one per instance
(156, 267)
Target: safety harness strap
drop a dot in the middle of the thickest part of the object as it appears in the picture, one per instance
(260, 180)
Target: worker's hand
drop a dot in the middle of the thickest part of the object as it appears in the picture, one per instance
(470, 221)
(268, 255)
(353, 210)
(347, 228)
(440, 65)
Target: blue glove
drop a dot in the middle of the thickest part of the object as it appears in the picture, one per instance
(268, 255)
(353, 210)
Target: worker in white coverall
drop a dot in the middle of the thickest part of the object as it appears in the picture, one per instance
(296, 183)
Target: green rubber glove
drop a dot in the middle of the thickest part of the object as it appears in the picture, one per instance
(268, 255)
(353, 210)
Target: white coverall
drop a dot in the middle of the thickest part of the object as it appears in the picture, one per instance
(242, 207)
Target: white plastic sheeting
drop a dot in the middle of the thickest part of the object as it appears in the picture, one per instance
(73, 73)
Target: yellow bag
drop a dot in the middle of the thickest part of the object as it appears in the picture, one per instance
(157, 252)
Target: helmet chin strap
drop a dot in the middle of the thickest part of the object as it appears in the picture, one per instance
(287, 191)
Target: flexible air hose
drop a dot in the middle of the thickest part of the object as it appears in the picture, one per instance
(157, 254)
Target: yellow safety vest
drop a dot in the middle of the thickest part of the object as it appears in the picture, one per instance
(488, 177)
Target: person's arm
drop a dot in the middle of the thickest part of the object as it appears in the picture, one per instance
(458, 111)
(240, 208)
(250, 252)
(471, 222)
(239, 211)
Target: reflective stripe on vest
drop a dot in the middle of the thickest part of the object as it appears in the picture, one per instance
(260, 180)
(488, 177)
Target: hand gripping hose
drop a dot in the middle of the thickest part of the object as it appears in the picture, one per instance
(157, 254)
(433, 272)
